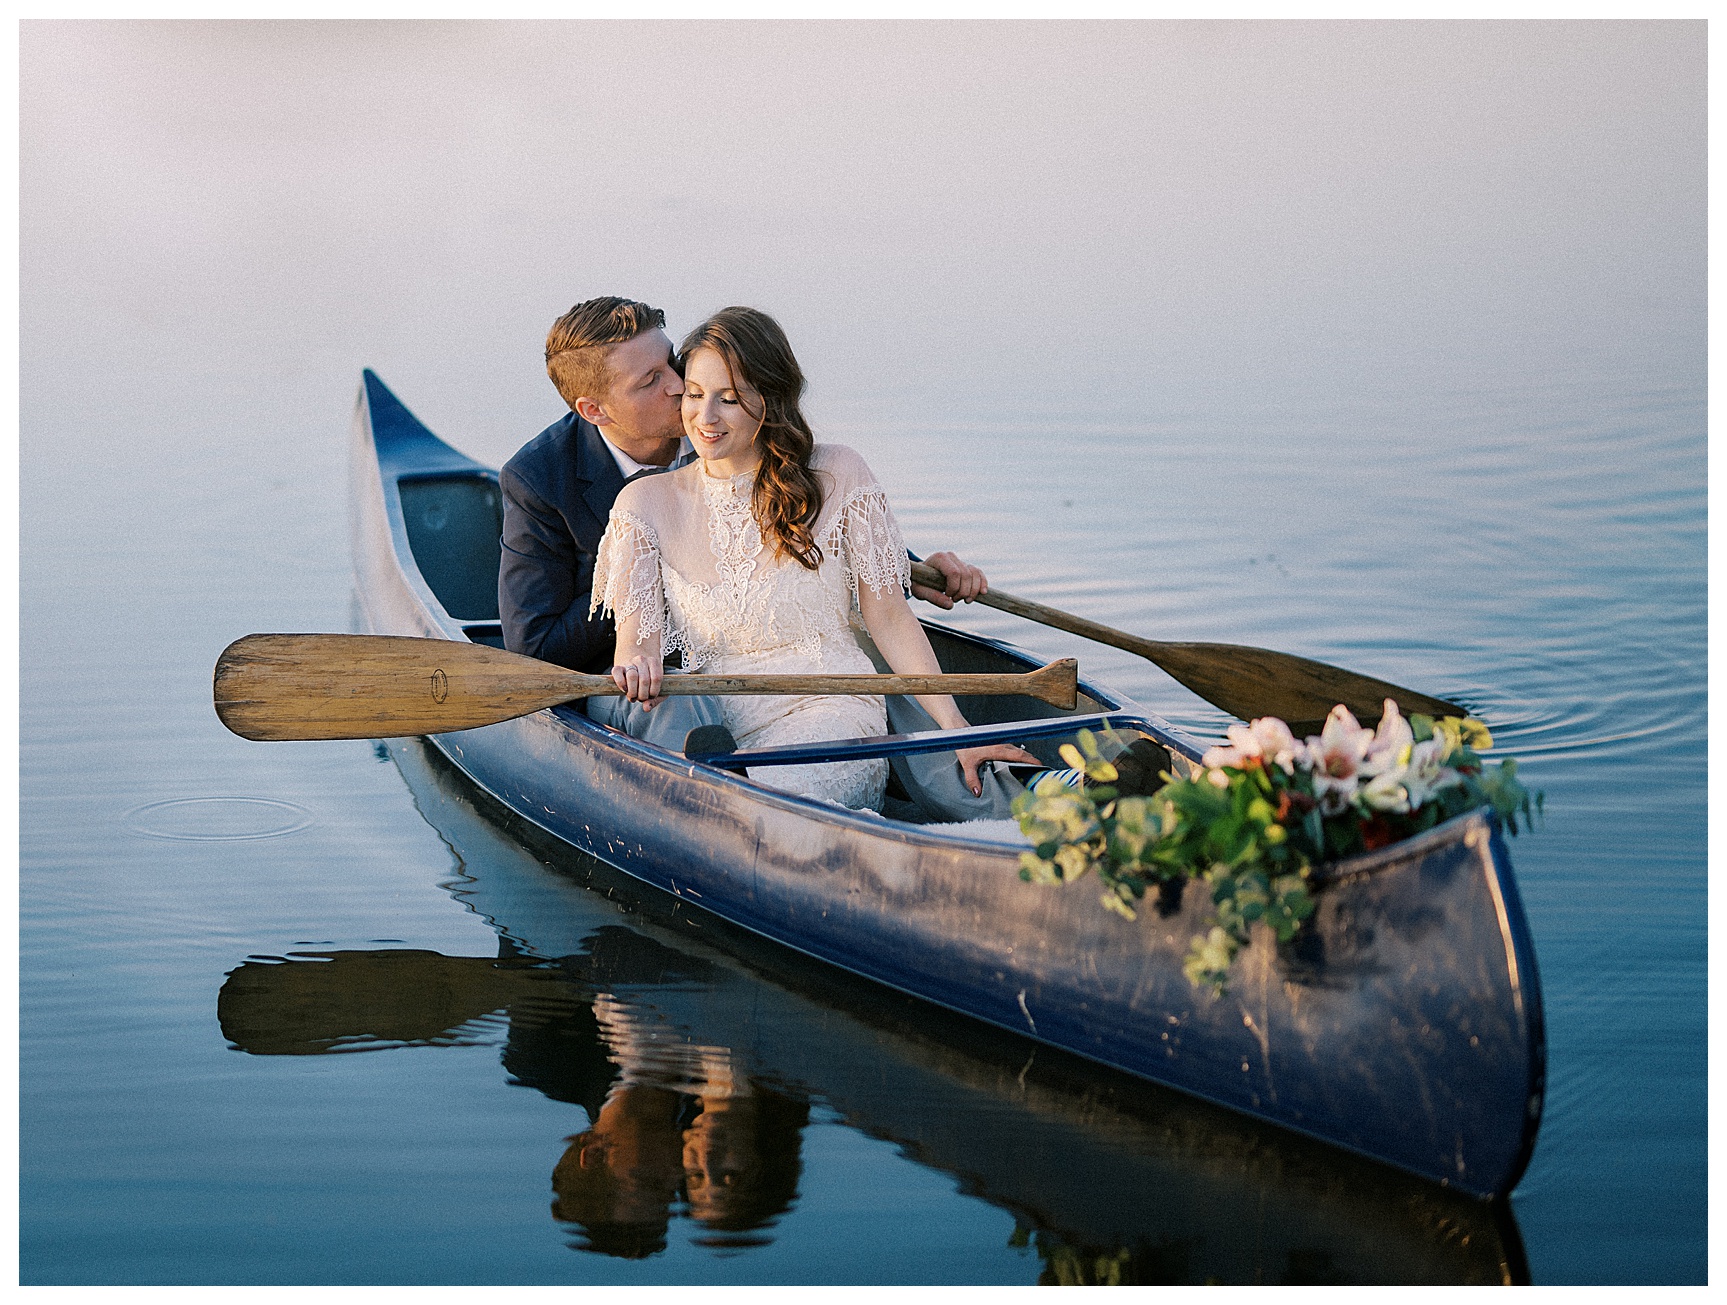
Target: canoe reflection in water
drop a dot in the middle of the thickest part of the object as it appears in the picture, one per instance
(696, 1052)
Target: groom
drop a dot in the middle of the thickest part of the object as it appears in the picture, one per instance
(611, 361)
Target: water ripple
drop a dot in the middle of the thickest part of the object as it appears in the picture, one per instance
(217, 819)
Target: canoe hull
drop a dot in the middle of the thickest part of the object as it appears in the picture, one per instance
(1405, 1025)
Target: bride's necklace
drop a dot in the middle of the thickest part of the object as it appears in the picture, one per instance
(719, 477)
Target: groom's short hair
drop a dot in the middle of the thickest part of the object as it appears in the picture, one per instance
(578, 343)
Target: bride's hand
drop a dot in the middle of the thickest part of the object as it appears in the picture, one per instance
(971, 758)
(640, 679)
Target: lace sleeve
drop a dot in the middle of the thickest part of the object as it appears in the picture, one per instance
(627, 575)
(870, 541)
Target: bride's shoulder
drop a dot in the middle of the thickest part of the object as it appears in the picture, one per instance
(646, 497)
(842, 462)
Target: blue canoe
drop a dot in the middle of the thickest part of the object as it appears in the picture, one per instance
(1404, 1024)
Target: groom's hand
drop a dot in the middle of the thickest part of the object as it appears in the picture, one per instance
(963, 582)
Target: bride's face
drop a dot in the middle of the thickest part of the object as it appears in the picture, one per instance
(717, 415)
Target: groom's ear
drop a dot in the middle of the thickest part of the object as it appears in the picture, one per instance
(591, 412)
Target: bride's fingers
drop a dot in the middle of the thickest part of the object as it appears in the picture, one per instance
(968, 767)
(971, 758)
(638, 680)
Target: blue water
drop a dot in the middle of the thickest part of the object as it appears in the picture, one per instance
(1358, 343)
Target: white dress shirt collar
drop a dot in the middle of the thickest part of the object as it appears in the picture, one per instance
(630, 467)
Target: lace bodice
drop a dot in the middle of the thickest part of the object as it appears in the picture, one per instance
(683, 551)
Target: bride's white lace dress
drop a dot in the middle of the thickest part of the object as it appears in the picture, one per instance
(684, 552)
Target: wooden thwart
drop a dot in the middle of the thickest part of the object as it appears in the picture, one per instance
(275, 687)
(1246, 682)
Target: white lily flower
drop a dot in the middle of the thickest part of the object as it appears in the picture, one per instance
(1336, 757)
(1387, 791)
(1391, 742)
(1427, 773)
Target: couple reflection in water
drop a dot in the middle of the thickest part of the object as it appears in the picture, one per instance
(681, 1126)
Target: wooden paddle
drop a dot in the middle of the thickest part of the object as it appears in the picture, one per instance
(345, 1000)
(1245, 682)
(366, 686)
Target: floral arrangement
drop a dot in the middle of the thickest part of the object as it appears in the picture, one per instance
(1262, 811)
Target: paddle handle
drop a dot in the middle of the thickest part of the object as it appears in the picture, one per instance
(1056, 684)
(925, 574)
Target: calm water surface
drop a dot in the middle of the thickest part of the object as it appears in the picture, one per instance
(1449, 434)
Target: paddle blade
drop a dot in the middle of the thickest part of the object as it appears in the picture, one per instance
(273, 687)
(318, 1002)
(1253, 682)
(1057, 684)
(1246, 682)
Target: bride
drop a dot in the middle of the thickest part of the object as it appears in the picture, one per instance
(758, 556)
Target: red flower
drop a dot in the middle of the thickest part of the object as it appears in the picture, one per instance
(1376, 832)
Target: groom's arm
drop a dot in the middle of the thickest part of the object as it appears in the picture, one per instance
(545, 579)
(964, 582)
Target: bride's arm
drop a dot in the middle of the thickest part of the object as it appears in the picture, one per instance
(879, 569)
(907, 648)
(902, 641)
(627, 587)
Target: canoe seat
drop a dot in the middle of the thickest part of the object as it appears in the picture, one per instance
(454, 525)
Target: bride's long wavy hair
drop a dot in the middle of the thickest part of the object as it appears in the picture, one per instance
(787, 497)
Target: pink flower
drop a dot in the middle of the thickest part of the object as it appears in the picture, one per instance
(1267, 740)
(1336, 757)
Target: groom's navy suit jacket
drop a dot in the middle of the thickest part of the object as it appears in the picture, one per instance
(558, 492)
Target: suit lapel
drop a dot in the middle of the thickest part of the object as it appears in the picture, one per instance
(599, 470)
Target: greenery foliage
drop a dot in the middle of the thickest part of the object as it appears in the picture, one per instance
(1258, 816)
